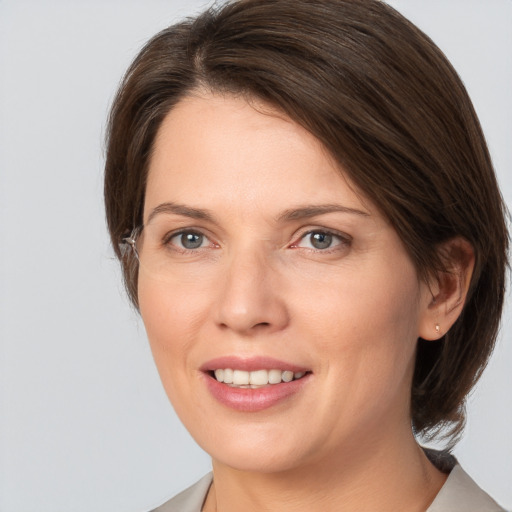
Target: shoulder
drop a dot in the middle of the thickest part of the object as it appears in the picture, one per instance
(461, 493)
(189, 500)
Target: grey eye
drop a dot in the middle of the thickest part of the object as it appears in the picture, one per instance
(320, 240)
(191, 240)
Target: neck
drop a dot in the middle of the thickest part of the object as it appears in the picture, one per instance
(380, 476)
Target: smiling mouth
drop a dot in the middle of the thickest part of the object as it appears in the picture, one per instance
(255, 379)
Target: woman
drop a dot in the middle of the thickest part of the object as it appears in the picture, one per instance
(309, 223)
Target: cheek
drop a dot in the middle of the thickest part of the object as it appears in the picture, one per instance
(173, 315)
(171, 309)
(383, 300)
(367, 329)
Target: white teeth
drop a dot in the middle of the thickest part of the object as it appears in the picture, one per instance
(240, 377)
(257, 378)
(228, 376)
(287, 376)
(274, 376)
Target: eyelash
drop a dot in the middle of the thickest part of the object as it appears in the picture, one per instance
(167, 240)
(344, 240)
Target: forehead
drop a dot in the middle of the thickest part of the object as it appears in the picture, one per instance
(213, 149)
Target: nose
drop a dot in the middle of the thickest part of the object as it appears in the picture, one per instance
(251, 297)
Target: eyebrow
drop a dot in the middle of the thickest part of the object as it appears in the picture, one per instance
(304, 212)
(181, 209)
(301, 212)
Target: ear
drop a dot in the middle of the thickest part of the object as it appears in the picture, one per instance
(447, 290)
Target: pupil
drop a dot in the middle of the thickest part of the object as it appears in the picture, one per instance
(191, 240)
(321, 240)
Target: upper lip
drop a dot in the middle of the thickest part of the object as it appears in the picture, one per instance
(251, 364)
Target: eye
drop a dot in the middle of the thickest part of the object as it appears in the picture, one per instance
(189, 240)
(319, 240)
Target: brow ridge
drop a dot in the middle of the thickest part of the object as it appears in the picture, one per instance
(308, 211)
(291, 214)
(181, 209)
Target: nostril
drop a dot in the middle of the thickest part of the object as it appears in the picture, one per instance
(261, 325)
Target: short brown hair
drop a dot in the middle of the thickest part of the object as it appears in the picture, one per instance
(390, 108)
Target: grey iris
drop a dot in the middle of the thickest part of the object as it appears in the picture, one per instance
(321, 240)
(191, 240)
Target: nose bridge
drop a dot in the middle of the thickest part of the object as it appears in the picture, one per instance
(250, 299)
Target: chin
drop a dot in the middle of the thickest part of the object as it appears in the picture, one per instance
(252, 448)
(254, 460)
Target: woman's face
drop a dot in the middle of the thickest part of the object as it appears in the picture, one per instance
(263, 256)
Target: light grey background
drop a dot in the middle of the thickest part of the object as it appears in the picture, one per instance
(84, 423)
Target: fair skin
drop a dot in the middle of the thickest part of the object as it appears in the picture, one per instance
(273, 253)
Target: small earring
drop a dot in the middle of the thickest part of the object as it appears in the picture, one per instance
(438, 328)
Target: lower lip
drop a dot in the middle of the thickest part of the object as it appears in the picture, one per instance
(254, 400)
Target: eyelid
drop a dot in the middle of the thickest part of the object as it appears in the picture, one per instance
(344, 238)
(166, 239)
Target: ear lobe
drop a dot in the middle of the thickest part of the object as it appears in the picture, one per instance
(448, 289)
